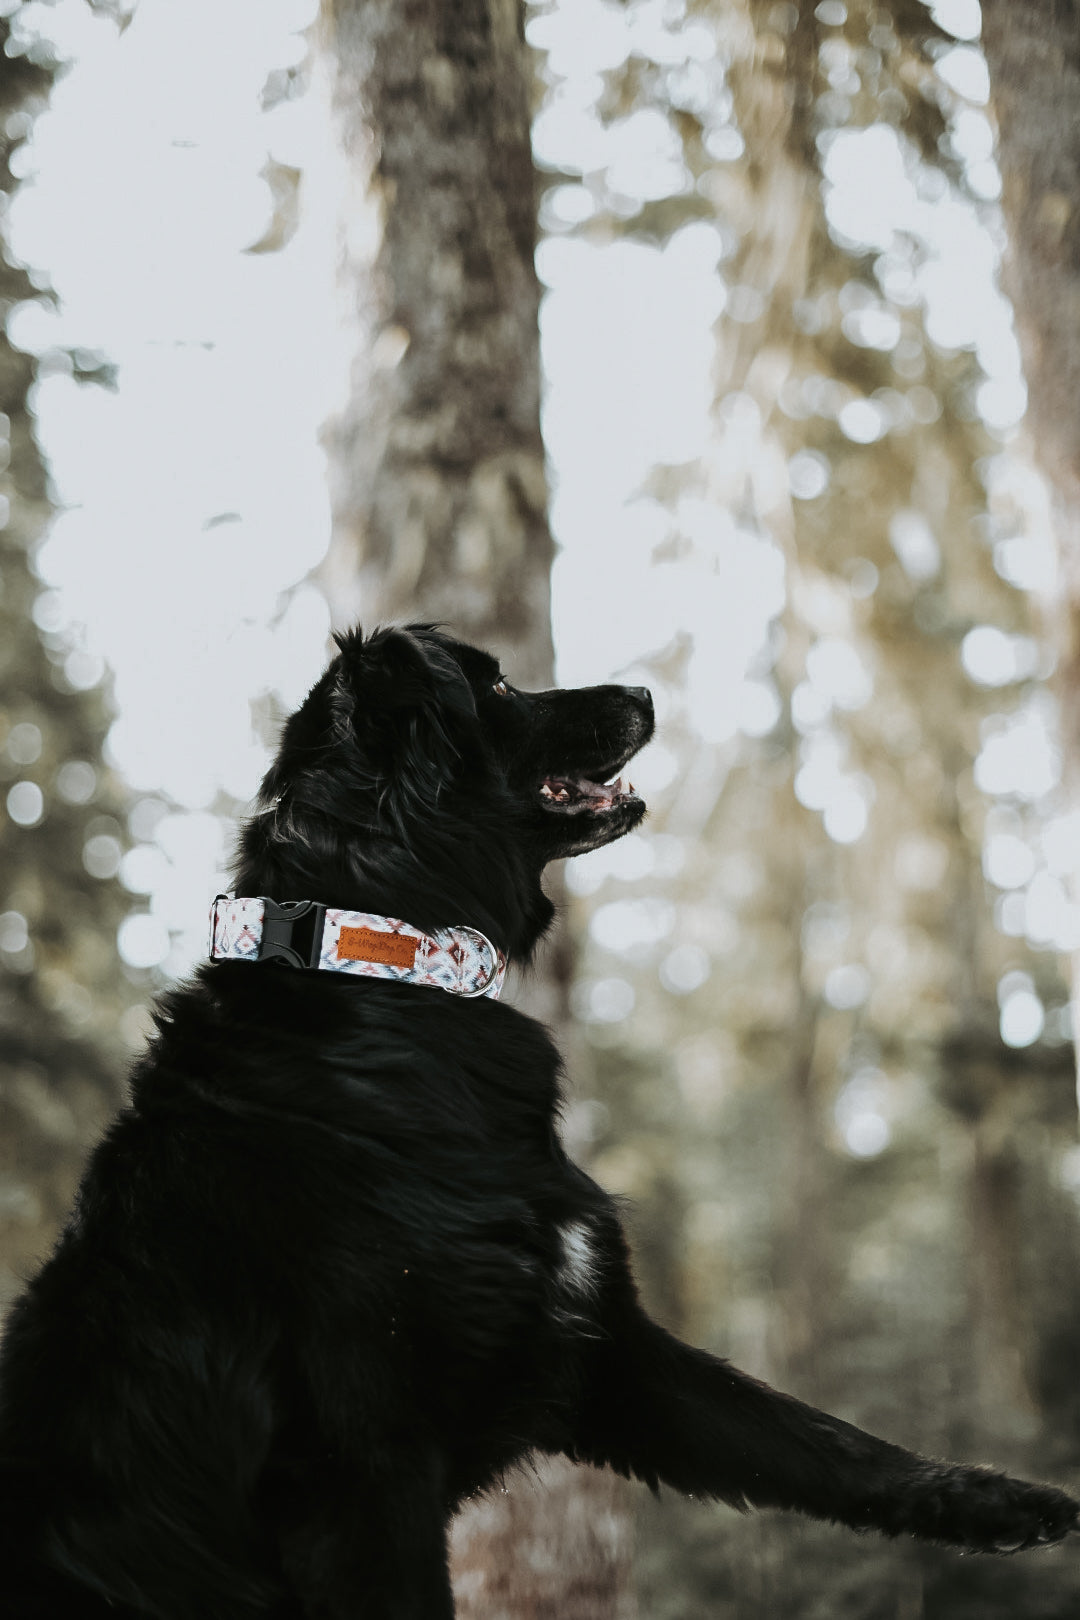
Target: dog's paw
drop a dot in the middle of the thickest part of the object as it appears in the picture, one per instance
(987, 1512)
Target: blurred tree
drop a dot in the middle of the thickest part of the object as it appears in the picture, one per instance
(439, 501)
(437, 465)
(1033, 53)
(61, 812)
(843, 1177)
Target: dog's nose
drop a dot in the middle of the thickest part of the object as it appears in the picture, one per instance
(642, 694)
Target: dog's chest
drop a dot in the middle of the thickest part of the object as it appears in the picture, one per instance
(578, 1273)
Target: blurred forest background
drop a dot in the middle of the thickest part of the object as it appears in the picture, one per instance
(821, 1034)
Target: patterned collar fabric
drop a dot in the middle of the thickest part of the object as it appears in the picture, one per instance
(460, 960)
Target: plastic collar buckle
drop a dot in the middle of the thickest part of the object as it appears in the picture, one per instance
(292, 932)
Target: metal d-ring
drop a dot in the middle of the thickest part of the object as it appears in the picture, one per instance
(481, 989)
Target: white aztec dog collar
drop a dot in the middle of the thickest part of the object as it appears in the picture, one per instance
(305, 933)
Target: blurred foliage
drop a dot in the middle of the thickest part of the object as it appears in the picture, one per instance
(62, 995)
(841, 1177)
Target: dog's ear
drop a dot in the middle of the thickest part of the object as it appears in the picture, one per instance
(402, 698)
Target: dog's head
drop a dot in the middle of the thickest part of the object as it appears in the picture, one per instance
(417, 781)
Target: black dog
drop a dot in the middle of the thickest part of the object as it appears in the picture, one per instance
(331, 1272)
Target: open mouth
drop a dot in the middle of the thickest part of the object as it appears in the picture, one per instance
(571, 794)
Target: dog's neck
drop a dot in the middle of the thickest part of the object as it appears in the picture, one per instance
(481, 882)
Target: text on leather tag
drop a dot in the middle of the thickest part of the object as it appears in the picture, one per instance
(368, 945)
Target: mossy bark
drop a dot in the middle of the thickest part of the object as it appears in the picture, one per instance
(437, 463)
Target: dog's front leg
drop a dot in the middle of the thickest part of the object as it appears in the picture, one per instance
(668, 1414)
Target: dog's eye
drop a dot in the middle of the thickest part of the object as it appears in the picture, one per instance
(501, 688)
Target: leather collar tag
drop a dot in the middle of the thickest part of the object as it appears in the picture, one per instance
(368, 945)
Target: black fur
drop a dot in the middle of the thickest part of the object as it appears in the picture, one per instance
(331, 1271)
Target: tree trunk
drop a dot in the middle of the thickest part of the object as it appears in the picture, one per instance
(61, 995)
(1033, 53)
(439, 505)
(437, 465)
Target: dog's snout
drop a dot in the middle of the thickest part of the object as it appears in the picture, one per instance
(642, 694)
